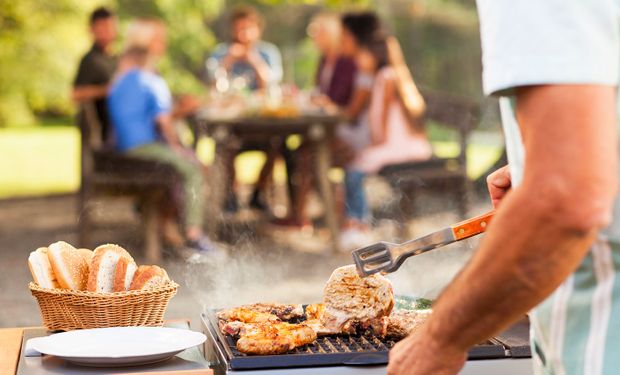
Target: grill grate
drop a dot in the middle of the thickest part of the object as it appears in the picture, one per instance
(326, 350)
(331, 345)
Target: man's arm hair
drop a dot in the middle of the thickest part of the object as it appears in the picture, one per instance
(544, 227)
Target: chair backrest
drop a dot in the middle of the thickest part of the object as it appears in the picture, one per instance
(454, 112)
(90, 137)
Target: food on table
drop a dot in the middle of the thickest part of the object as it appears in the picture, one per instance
(401, 323)
(354, 304)
(273, 338)
(87, 254)
(104, 266)
(123, 276)
(41, 269)
(148, 277)
(69, 266)
(109, 268)
(259, 312)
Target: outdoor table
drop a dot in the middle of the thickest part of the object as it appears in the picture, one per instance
(318, 129)
(12, 361)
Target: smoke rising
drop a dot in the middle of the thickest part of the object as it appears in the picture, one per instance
(254, 273)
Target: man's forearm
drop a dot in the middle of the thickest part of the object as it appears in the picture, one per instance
(89, 92)
(524, 258)
(544, 227)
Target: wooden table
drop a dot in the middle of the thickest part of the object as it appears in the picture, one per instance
(317, 129)
(10, 349)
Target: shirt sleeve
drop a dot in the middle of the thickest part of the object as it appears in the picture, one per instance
(161, 97)
(274, 60)
(533, 42)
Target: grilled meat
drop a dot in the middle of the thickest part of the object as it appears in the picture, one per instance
(354, 304)
(262, 312)
(315, 311)
(232, 328)
(314, 319)
(273, 338)
(283, 311)
(402, 323)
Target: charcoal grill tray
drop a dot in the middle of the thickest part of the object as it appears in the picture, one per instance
(326, 350)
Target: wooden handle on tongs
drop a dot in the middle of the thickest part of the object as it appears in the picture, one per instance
(473, 226)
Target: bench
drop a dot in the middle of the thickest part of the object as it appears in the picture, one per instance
(437, 175)
(107, 172)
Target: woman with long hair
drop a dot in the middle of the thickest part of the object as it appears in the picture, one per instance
(395, 132)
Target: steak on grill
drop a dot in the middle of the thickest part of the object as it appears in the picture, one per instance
(354, 304)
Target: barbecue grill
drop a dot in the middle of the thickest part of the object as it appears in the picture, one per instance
(508, 352)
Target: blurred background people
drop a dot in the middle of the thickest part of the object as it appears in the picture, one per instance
(393, 132)
(142, 114)
(336, 72)
(250, 64)
(246, 56)
(97, 66)
(334, 88)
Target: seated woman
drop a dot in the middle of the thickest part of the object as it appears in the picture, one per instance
(396, 133)
(142, 114)
(334, 87)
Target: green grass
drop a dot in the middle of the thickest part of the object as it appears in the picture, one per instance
(45, 160)
(39, 161)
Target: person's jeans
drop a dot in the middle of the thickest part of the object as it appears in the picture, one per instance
(193, 180)
(355, 198)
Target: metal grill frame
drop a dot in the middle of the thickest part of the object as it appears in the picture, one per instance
(324, 351)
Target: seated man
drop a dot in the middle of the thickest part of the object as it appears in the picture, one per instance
(247, 55)
(141, 111)
(258, 64)
(97, 66)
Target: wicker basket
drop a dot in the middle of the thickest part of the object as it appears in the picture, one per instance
(65, 310)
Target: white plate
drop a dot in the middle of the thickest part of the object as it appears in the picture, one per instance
(119, 346)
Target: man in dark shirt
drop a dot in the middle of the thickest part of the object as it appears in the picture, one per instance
(97, 66)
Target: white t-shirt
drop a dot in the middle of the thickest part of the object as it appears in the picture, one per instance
(539, 42)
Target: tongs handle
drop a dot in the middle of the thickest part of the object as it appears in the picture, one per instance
(472, 227)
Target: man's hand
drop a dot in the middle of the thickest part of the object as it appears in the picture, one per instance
(418, 354)
(499, 184)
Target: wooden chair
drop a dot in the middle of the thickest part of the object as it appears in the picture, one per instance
(437, 175)
(106, 172)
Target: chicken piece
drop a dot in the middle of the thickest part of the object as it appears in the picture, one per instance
(231, 328)
(314, 319)
(246, 315)
(262, 312)
(283, 311)
(354, 304)
(315, 311)
(402, 323)
(273, 338)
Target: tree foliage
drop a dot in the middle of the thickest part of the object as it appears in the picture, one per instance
(42, 41)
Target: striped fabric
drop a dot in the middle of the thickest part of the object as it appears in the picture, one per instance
(577, 329)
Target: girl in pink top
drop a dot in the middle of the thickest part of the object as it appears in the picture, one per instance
(395, 117)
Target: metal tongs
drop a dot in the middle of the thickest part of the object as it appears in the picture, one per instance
(387, 257)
